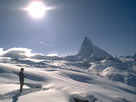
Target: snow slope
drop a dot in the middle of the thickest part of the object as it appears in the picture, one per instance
(59, 84)
(117, 70)
(90, 74)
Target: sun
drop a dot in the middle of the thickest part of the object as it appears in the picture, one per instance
(36, 9)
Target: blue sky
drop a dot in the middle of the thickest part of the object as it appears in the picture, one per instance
(110, 24)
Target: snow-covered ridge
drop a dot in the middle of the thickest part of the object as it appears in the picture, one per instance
(58, 84)
(89, 57)
(90, 74)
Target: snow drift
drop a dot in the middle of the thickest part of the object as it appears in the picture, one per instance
(91, 74)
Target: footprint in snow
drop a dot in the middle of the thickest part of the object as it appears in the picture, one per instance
(16, 93)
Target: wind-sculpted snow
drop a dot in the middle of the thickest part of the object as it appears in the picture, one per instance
(116, 70)
(15, 94)
(61, 81)
(110, 68)
(90, 74)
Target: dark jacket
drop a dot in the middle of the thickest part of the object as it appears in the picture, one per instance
(21, 76)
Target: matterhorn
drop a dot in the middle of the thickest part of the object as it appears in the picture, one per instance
(89, 52)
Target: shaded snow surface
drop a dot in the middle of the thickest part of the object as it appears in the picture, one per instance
(59, 85)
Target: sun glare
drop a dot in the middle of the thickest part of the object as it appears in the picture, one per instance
(36, 9)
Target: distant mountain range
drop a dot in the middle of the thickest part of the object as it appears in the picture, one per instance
(90, 58)
(119, 68)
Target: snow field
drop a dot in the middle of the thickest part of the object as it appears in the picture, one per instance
(59, 86)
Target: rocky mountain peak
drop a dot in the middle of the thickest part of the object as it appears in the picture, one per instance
(87, 42)
(90, 52)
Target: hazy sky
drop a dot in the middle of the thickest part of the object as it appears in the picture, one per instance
(110, 24)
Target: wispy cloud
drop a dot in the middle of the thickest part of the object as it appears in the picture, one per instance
(16, 52)
(46, 44)
(1, 51)
(23, 53)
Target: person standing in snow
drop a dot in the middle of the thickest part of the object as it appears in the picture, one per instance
(21, 78)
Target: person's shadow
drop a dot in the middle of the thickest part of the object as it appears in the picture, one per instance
(15, 98)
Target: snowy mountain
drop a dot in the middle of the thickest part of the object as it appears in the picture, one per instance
(58, 81)
(121, 69)
(91, 74)
(116, 70)
(89, 52)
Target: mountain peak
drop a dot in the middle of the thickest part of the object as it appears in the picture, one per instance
(86, 48)
(87, 42)
(91, 52)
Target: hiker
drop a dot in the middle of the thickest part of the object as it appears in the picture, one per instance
(21, 79)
